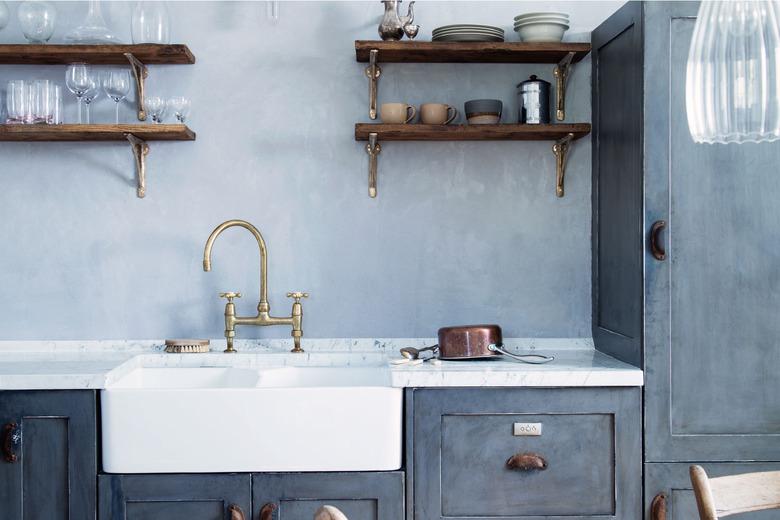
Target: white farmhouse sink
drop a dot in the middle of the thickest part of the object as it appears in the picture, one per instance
(225, 419)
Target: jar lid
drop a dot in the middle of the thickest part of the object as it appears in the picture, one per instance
(533, 79)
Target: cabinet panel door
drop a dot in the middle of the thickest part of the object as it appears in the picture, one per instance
(712, 325)
(360, 496)
(586, 463)
(173, 497)
(671, 484)
(53, 476)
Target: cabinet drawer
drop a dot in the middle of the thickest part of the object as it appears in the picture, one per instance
(578, 453)
(587, 440)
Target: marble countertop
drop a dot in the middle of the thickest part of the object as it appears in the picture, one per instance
(36, 365)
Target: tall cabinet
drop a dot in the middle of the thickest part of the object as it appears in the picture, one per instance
(686, 263)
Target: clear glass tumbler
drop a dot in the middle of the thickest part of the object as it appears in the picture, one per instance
(42, 108)
(151, 23)
(57, 105)
(17, 101)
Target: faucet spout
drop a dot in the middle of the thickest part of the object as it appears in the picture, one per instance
(263, 306)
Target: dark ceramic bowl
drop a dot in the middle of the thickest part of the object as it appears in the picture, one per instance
(483, 106)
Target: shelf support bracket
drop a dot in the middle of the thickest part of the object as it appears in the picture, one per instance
(372, 149)
(140, 73)
(373, 71)
(561, 74)
(561, 150)
(140, 150)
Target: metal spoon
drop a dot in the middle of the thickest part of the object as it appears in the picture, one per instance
(533, 359)
(414, 353)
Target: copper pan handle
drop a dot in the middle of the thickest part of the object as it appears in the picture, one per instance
(10, 434)
(526, 462)
(656, 249)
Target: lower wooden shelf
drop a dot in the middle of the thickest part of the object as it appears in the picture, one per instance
(136, 134)
(500, 132)
(562, 134)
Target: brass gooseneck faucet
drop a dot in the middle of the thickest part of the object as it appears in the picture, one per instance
(263, 318)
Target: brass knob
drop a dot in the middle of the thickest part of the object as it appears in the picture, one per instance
(297, 296)
(230, 296)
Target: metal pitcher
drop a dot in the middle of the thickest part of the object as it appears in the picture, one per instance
(393, 24)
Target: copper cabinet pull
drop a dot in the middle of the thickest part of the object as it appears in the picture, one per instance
(526, 462)
(656, 249)
(236, 513)
(10, 435)
(267, 512)
(658, 507)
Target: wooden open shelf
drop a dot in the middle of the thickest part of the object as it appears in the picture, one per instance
(146, 53)
(149, 132)
(469, 52)
(505, 132)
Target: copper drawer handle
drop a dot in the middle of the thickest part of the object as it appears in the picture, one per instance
(267, 512)
(658, 507)
(526, 462)
(236, 513)
(656, 249)
(10, 436)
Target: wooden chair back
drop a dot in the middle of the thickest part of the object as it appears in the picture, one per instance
(725, 496)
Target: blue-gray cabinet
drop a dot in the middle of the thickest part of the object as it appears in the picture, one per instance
(48, 465)
(175, 497)
(359, 495)
(510, 453)
(709, 324)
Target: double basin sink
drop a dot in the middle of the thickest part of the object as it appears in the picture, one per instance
(211, 419)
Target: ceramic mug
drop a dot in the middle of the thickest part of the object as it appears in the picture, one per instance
(397, 113)
(437, 114)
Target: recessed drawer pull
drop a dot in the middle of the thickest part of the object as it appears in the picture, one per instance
(268, 511)
(526, 462)
(236, 513)
(10, 438)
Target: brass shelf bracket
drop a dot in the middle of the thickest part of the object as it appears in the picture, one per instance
(140, 150)
(373, 148)
(373, 71)
(561, 74)
(140, 73)
(561, 150)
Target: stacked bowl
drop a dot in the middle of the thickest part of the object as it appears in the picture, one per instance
(468, 33)
(541, 27)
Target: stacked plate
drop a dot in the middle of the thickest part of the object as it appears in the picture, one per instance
(468, 33)
(541, 27)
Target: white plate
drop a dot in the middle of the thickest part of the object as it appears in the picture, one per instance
(450, 33)
(468, 38)
(467, 26)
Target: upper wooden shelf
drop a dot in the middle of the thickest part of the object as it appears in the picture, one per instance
(146, 53)
(469, 52)
(505, 132)
(149, 132)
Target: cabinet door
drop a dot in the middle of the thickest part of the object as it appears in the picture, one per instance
(521, 454)
(669, 487)
(48, 465)
(175, 497)
(360, 496)
(712, 323)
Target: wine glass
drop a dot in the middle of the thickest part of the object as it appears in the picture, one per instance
(77, 79)
(91, 93)
(180, 106)
(155, 105)
(116, 84)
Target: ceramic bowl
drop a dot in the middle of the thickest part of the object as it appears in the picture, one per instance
(548, 14)
(483, 111)
(540, 20)
(541, 32)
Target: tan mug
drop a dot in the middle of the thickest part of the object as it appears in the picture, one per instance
(437, 114)
(397, 113)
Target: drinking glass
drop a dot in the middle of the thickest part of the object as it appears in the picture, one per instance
(5, 14)
(77, 79)
(56, 103)
(116, 84)
(180, 106)
(42, 109)
(155, 105)
(37, 19)
(91, 94)
(17, 101)
(151, 23)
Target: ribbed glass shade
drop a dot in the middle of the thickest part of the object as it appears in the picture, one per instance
(732, 88)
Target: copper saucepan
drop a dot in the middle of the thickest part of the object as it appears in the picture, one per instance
(473, 342)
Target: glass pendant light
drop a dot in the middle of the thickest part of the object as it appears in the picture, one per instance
(732, 87)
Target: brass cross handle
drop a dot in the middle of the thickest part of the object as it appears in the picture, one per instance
(230, 296)
(297, 296)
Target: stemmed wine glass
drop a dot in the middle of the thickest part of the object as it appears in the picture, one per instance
(77, 79)
(180, 106)
(116, 84)
(91, 93)
(156, 107)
